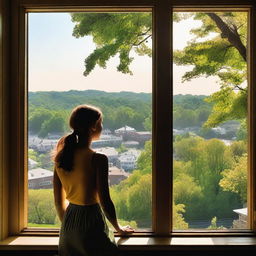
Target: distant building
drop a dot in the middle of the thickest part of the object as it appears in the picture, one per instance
(116, 175)
(40, 178)
(41, 145)
(106, 132)
(130, 134)
(141, 137)
(107, 141)
(131, 144)
(127, 161)
(241, 222)
(125, 129)
(110, 152)
(134, 152)
(54, 136)
(125, 132)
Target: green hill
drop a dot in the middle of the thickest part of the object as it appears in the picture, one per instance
(119, 109)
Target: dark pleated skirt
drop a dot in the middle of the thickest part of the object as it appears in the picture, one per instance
(84, 232)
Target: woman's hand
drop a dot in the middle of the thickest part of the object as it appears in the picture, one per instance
(125, 230)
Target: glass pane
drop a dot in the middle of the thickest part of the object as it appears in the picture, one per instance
(210, 120)
(101, 59)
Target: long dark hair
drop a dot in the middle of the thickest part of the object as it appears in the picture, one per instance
(82, 119)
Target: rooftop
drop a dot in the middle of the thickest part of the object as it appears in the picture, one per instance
(108, 151)
(242, 211)
(125, 128)
(39, 173)
(113, 170)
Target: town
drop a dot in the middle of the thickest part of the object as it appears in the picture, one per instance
(122, 147)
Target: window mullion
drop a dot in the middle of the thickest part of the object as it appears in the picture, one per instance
(252, 121)
(162, 119)
(4, 116)
(18, 202)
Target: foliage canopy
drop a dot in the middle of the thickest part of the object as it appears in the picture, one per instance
(217, 49)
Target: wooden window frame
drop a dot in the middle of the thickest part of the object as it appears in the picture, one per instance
(13, 142)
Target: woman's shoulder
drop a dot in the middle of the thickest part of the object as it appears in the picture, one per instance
(100, 156)
(100, 161)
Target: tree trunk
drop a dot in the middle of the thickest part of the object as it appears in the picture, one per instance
(230, 33)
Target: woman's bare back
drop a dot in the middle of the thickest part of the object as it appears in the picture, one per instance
(80, 184)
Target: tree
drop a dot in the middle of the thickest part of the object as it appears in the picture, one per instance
(37, 118)
(32, 154)
(113, 33)
(215, 150)
(242, 132)
(132, 198)
(41, 206)
(148, 123)
(203, 113)
(235, 179)
(187, 149)
(144, 162)
(238, 148)
(185, 189)
(188, 193)
(181, 168)
(184, 118)
(53, 125)
(197, 174)
(127, 116)
(223, 56)
(214, 224)
(178, 221)
(45, 161)
(140, 199)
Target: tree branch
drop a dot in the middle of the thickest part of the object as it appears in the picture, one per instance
(230, 33)
(134, 44)
(145, 33)
(239, 88)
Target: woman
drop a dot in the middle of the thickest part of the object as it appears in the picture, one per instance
(81, 177)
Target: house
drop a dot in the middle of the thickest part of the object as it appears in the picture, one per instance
(110, 152)
(141, 137)
(130, 134)
(125, 129)
(131, 144)
(125, 132)
(116, 175)
(106, 132)
(41, 145)
(107, 141)
(242, 221)
(40, 179)
(127, 161)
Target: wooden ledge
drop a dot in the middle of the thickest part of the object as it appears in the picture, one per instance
(136, 243)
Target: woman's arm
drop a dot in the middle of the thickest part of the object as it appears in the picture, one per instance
(104, 196)
(59, 196)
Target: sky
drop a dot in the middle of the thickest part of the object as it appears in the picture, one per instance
(56, 61)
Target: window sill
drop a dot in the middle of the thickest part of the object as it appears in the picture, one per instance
(45, 243)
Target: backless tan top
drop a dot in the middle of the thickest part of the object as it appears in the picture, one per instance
(80, 183)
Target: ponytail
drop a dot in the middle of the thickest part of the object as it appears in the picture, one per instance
(82, 118)
(65, 152)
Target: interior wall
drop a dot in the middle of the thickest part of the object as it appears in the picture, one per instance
(4, 118)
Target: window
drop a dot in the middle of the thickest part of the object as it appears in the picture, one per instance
(162, 91)
(125, 100)
(210, 120)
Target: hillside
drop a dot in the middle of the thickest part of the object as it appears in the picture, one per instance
(119, 109)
